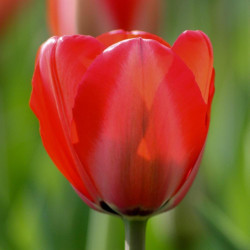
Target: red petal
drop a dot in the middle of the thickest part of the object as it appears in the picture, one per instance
(177, 198)
(90, 203)
(116, 36)
(140, 121)
(177, 128)
(73, 56)
(196, 51)
(61, 64)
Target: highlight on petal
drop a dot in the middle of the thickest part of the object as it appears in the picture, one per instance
(61, 64)
(141, 124)
(195, 49)
(116, 36)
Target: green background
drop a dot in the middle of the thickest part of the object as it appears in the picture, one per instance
(39, 209)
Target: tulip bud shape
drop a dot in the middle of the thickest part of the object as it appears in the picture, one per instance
(125, 116)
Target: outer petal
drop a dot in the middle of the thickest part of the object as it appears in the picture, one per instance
(177, 198)
(61, 64)
(73, 56)
(116, 36)
(181, 192)
(195, 50)
(140, 121)
(188, 182)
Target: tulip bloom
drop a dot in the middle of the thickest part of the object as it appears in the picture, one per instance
(125, 116)
(67, 17)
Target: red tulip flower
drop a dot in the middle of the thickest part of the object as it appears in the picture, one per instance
(125, 116)
(67, 17)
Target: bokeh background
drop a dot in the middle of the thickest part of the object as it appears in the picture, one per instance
(39, 209)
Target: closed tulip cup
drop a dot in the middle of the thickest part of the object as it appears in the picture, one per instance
(125, 116)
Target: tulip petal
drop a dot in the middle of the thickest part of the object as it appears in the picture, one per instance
(116, 36)
(186, 185)
(178, 126)
(180, 194)
(73, 56)
(61, 64)
(195, 49)
(140, 122)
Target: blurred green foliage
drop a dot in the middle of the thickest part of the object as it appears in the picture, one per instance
(39, 209)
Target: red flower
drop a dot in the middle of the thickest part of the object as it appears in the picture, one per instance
(67, 17)
(124, 116)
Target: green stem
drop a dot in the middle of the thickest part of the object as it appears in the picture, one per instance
(135, 234)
